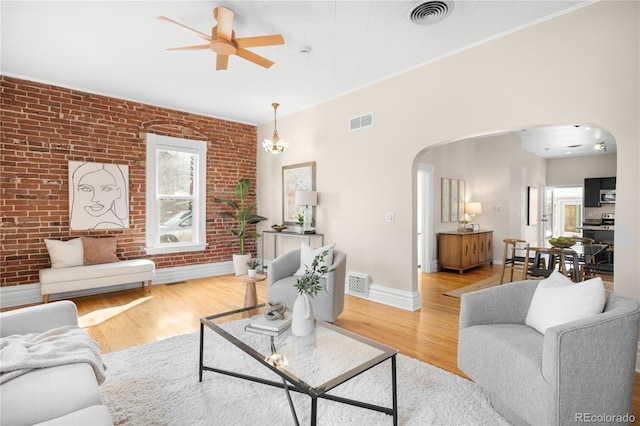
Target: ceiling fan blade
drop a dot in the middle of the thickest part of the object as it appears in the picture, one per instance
(196, 32)
(268, 40)
(225, 22)
(256, 59)
(221, 62)
(197, 47)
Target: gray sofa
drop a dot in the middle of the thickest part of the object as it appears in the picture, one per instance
(327, 304)
(61, 395)
(574, 371)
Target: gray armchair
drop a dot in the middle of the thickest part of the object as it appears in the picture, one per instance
(582, 368)
(327, 304)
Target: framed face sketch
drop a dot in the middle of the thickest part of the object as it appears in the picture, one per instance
(98, 196)
(296, 177)
(446, 200)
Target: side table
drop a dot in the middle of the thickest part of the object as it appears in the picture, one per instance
(250, 296)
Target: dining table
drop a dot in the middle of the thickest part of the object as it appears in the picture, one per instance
(575, 255)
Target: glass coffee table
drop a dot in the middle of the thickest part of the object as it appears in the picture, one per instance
(312, 365)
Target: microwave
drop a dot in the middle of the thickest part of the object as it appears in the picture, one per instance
(608, 196)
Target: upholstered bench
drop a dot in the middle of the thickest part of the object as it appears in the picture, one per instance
(86, 263)
(74, 278)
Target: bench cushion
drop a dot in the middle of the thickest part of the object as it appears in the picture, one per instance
(125, 267)
(95, 276)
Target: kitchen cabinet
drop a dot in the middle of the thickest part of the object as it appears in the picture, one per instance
(592, 187)
(464, 250)
(592, 192)
(608, 183)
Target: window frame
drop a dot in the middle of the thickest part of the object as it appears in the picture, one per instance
(155, 143)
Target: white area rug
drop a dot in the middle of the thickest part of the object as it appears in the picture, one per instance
(157, 384)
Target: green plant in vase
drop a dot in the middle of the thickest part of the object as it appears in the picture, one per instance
(308, 286)
(309, 282)
(243, 216)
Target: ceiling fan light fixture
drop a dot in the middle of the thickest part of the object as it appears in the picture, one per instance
(275, 145)
(601, 146)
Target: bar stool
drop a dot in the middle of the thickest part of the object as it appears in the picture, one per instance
(515, 257)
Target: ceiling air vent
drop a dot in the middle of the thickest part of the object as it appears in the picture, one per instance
(361, 122)
(430, 12)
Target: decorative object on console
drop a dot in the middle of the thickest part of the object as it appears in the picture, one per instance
(473, 208)
(308, 286)
(275, 145)
(243, 215)
(308, 199)
(278, 228)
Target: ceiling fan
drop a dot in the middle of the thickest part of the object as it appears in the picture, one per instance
(223, 40)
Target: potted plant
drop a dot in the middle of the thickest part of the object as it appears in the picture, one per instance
(252, 265)
(243, 216)
(308, 285)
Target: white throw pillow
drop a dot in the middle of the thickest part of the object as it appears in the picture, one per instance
(65, 253)
(558, 300)
(307, 254)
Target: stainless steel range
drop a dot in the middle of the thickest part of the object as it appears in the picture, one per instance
(607, 223)
(602, 232)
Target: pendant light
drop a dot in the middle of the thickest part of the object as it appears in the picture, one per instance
(277, 145)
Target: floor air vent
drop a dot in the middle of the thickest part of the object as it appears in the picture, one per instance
(361, 122)
(358, 284)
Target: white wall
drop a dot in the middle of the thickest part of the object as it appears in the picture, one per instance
(579, 68)
(573, 171)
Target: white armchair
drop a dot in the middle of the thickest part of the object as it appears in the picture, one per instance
(327, 304)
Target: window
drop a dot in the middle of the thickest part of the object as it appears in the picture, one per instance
(176, 191)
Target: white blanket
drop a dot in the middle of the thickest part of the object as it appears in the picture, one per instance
(70, 344)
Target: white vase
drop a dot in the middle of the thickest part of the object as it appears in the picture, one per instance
(302, 323)
(240, 263)
(251, 273)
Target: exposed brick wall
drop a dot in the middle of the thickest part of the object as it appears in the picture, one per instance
(44, 127)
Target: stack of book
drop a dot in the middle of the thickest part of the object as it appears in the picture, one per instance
(262, 325)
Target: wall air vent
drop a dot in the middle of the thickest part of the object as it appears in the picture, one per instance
(358, 284)
(361, 122)
(430, 12)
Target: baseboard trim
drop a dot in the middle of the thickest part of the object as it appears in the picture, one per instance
(409, 301)
(29, 294)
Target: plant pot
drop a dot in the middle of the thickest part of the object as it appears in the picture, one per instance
(302, 323)
(251, 273)
(240, 263)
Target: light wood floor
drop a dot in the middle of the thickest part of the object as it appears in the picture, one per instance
(133, 317)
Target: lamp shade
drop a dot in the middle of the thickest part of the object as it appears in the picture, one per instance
(306, 198)
(473, 207)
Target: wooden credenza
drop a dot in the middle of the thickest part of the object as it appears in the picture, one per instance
(464, 250)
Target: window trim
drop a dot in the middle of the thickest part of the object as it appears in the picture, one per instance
(199, 223)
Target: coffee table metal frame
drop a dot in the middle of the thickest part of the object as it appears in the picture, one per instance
(293, 383)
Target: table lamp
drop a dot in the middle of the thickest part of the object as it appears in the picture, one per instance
(307, 199)
(473, 208)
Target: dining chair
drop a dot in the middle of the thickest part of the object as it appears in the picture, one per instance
(593, 268)
(556, 257)
(515, 257)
